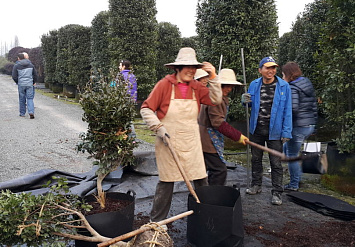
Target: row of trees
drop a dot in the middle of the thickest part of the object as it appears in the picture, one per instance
(321, 41)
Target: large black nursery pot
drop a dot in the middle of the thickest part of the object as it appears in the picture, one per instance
(217, 221)
(342, 164)
(110, 224)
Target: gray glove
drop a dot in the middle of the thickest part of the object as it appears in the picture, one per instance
(163, 134)
(246, 98)
(284, 139)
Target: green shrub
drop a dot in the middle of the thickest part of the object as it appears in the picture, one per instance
(109, 111)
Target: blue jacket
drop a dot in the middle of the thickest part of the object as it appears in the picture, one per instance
(281, 110)
(24, 73)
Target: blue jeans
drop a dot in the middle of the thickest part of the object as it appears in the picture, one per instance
(26, 95)
(292, 149)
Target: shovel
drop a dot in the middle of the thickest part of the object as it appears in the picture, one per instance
(277, 153)
(182, 171)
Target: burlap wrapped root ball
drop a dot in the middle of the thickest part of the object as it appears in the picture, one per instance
(155, 237)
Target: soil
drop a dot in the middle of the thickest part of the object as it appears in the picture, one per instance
(291, 234)
(112, 204)
(302, 233)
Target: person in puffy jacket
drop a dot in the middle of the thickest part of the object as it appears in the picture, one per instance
(25, 76)
(304, 118)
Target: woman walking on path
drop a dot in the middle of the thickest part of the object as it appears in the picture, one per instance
(304, 118)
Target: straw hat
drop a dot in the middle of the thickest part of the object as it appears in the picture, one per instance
(227, 76)
(186, 56)
(200, 73)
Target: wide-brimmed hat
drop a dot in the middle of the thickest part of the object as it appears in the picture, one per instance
(227, 76)
(200, 73)
(186, 56)
(268, 62)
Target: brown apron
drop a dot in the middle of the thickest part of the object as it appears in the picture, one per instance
(181, 124)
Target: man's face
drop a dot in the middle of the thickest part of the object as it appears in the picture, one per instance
(121, 67)
(268, 73)
(186, 74)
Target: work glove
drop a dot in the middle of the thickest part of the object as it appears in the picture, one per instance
(163, 134)
(242, 139)
(246, 98)
(284, 139)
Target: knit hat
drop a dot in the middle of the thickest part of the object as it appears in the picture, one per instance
(227, 76)
(200, 73)
(186, 56)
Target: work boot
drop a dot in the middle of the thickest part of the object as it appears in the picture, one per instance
(32, 116)
(255, 189)
(276, 198)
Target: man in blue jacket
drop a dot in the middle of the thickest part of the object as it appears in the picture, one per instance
(270, 121)
(25, 76)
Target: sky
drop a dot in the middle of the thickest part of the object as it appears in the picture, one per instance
(29, 20)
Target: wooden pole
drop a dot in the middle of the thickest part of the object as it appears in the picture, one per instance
(182, 171)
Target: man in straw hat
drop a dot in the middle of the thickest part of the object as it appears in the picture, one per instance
(171, 111)
(270, 121)
(213, 128)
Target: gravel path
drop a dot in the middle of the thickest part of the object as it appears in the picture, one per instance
(48, 141)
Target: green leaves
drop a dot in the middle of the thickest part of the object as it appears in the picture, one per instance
(109, 111)
(32, 219)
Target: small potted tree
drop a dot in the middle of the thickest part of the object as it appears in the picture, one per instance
(109, 111)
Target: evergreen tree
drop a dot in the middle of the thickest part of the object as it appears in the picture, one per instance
(169, 43)
(133, 35)
(100, 57)
(224, 27)
(49, 50)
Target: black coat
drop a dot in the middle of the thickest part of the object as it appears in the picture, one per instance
(304, 103)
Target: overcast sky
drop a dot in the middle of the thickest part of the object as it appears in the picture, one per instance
(29, 20)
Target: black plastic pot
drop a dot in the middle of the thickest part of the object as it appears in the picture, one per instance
(110, 224)
(69, 90)
(342, 164)
(217, 221)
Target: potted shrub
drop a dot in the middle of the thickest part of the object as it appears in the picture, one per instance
(109, 111)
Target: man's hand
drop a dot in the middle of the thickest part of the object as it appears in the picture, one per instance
(284, 139)
(246, 98)
(163, 134)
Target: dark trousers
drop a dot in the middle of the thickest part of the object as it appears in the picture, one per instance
(216, 169)
(261, 136)
(163, 196)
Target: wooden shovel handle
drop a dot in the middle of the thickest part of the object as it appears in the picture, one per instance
(182, 171)
(266, 149)
(143, 229)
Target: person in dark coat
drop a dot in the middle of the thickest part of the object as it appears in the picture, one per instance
(304, 118)
(25, 76)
